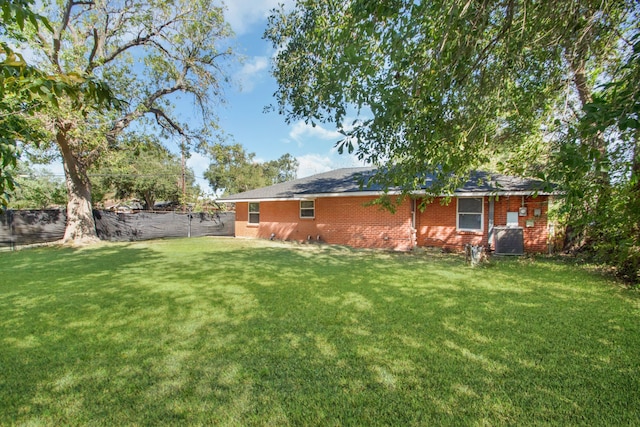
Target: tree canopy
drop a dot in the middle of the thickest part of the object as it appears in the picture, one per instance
(25, 90)
(36, 189)
(440, 86)
(233, 170)
(142, 168)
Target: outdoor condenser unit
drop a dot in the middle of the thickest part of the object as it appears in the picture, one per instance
(509, 241)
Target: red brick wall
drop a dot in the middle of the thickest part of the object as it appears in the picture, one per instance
(436, 226)
(338, 220)
(349, 221)
(535, 236)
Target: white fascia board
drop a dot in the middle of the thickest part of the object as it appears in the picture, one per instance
(390, 193)
(347, 194)
(272, 199)
(499, 193)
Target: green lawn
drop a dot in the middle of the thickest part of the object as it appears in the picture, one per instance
(234, 332)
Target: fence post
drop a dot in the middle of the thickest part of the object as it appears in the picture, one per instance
(10, 223)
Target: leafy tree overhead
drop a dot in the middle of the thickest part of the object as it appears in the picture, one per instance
(439, 86)
(233, 170)
(149, 52)
(26, 90)
(445, 87)
(142, 168)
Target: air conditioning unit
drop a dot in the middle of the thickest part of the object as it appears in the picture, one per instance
(509, 241)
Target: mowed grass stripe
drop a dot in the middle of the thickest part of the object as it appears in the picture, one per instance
(236, 332)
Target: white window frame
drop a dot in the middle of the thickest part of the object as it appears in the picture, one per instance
(313, 209)
(481, 213)
(254, 212)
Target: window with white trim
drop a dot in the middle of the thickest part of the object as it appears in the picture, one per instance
(307, 208)
(470, 213)
(254, 213)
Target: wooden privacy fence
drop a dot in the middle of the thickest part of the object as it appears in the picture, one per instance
(24, 227)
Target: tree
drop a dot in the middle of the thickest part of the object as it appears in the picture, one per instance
(233, 170)
(609, 232)
(142, 168)
(282, 169)
(26, 90)
(439, 86)
(444, 87)
(36, 189)
(149, 52)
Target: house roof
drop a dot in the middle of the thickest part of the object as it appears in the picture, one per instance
(346, 182)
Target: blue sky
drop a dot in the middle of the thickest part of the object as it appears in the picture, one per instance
(243, 117)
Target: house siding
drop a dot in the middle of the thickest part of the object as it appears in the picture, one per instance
(351, 221)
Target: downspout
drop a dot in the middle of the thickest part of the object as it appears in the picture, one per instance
(413, 229)
(491, 215)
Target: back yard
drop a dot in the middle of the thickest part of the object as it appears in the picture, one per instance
(233, 332)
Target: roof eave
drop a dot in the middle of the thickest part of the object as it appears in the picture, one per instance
(259, 199)
(298, 197)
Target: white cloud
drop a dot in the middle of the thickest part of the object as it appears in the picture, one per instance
(302, 130)
(242, 14)
(251, 73)
(311, 164)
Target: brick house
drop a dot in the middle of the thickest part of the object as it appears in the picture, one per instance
(507, 213)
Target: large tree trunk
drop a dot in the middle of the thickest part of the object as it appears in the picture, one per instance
(81, 226)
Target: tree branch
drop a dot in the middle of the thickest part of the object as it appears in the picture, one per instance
(57, 34)
(94, 49)
(161, 115)
(140, 40)
(147, 107)
(501, 34)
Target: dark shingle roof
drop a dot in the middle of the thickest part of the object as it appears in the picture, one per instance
(347, 181)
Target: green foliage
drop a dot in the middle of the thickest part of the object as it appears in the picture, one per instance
(37, 189)
(436, 86)
(233, 170)
(605, 222)
(141, 168)
(250, 333)
(282, 169)
(26, 90)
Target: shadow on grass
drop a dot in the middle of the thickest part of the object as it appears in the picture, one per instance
(230, 332)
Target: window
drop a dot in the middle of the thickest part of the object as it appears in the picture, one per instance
(254, 213)
(470, 213)
(307, 209)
